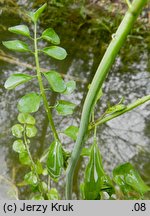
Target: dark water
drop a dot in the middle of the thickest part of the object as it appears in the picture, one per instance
(126, 138)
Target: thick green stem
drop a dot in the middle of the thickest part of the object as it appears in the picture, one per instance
(101, 73)
(46, 105)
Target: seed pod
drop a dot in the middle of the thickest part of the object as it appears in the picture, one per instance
(93, 173)
(55, 160)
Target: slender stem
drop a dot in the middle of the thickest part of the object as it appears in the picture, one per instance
(39, 76)
(33, 164)
(27, 147)
(101, 73)
(130, 107)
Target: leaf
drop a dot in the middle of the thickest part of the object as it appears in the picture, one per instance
(39, 168)
(51, 36)
(129, 179)
(37, 197)
(85, 152)
(17, 130)
(29, 103)
(31, 131)
(25, 118)
(55, 160)
(55, 52)
(18, 146)
(93, 174)
(20, 29)
(53, 194)
(65, 107)
(71, 85)
(72, 132)
(24, 158)
(16, 45)
(31, 179)
(56, 82)
(35, 15)
(16, 79)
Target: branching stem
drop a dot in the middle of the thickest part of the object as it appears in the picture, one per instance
(100, 76)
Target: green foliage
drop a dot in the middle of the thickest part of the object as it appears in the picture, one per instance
(24, 158)
(53, 194)
(16, 79)
(55, 160)
(56, 82)
(29, 103)
(55, 52)
(65, 107)
(51, 36)
(35, 15)
(129, 179)
(25, 118)
(18, 146)
(96, 181)
(16, 45)
(31, 131)
(20, 29)
(93, 174)
(72, 132)
(31, 179)
(70, 87)
(17, 130)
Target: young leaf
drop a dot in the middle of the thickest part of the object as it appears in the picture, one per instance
(56, 82)
(71, 85)
(129, 179)
(24, 158)
(17, 130)
(29, 103)
(55, 52)
(31, 179)
(55, 160)
(51, 36)
(93, 174)
(35, 15)
(53, 194)
(31, 131)
(16, 79)
(72, 132)
(18, 146)
(16, 45)
(25, 118)
(65, 107)
(20, 29)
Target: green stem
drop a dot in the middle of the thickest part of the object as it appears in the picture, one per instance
(46, 105)
(101, 73)
(130, 107)
(33, 164)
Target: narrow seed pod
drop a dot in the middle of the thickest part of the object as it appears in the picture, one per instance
(93, 173)
(55, 160)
